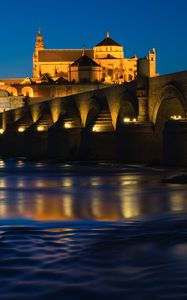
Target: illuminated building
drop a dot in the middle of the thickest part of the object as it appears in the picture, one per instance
(106, 62)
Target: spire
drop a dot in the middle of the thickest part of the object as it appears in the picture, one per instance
(83, 50)
(107, 34)
(39, 45)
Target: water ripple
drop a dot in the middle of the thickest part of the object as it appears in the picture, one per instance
(133, 260)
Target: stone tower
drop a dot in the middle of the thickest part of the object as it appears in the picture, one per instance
(39, 45)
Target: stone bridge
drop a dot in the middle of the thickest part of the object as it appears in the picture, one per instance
(123, 122)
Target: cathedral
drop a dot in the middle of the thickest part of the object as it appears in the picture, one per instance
(105, 63)
(64, 72)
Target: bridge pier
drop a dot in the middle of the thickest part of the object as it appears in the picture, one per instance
(13, 144)
(143, 110)
(136, 143)
(175, 143)
(35, 143)
(64, 143)
(99, 146)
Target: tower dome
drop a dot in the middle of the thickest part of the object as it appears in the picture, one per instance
(108, 48)
(108, 42)
(85, 69)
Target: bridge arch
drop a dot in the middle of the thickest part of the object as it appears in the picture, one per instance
(4, 93)
(27, 91)
(173, 100)
(128, 108)
(12, 91)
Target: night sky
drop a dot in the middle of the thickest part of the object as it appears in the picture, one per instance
(137, 25)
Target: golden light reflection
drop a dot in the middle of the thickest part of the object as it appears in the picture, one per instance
(130, 206)
(3, 183)
(2, 164)
(40, 183)
(177, 202)
(3, 209)
(104, 209)
(67, 206)
(40, 204)
(96, 208)
(95, 181)
(1, 131)
(129, 179)
(20, 163)
(67, 182)
(20, 206)
(2, 195)
(20, 183)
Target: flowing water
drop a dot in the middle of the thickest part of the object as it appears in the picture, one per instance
(102, 231)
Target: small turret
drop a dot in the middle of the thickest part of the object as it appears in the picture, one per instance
(152, 63)
(147, 66)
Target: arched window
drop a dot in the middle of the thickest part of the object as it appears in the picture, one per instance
(27, 91)
(12, 91)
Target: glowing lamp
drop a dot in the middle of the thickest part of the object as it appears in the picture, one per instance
(21, 129)
(1, 130)
(126, 120)
(41, 128)
(95, 128)
(67, 125)
(175, 117)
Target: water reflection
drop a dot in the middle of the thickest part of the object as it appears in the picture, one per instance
(3, 183)
(47, 196)
(2, 164)
(130, 204)
(67, 182)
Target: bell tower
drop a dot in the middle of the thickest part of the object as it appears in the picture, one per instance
(39, 45)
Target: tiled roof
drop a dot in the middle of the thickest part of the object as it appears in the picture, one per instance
(62, 55)
(84, 61)
(108, 42)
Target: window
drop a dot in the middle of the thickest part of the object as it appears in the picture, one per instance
(110, 72)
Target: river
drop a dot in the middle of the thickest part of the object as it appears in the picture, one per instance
(100, 231)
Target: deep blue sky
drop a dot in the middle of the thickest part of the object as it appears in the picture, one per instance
(137, 25)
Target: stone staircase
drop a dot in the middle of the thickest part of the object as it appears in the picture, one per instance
(69, 122)
(103, 123)
(44, 124)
